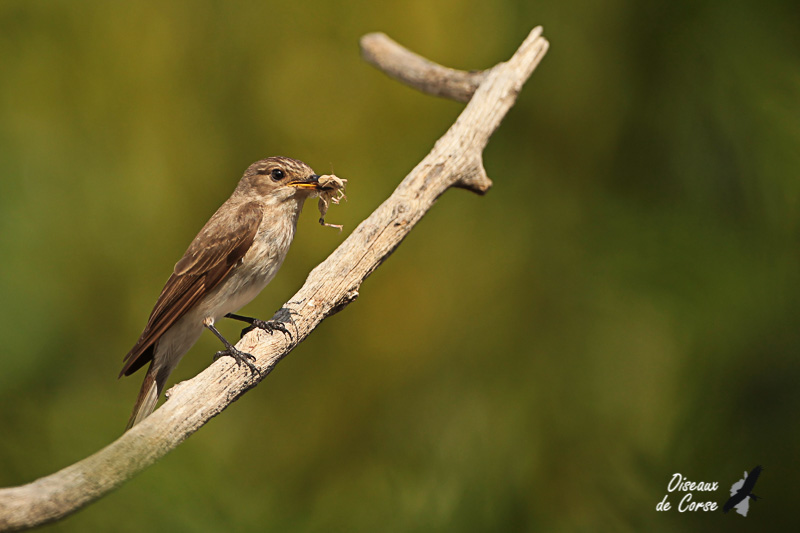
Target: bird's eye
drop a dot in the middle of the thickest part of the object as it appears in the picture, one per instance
(277, 174)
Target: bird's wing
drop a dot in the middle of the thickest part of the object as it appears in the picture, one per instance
(216, 250)
(733, 501)
(750, 482)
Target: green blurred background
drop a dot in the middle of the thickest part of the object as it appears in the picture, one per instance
(620, 307)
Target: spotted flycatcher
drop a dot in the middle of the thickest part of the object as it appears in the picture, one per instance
(235, 255)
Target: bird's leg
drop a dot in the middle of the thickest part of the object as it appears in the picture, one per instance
(267, 325)
(238, 355)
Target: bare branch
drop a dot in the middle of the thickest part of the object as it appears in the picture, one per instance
(455, 161)
(418, 72)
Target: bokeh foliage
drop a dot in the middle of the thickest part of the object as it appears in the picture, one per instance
(620, 307)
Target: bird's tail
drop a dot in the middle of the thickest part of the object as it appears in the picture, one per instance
(148, 397)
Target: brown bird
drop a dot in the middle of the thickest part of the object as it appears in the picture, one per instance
(235, 255)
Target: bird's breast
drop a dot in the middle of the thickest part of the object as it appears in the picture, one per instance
(258, 266)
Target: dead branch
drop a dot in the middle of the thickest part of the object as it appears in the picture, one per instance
(454, 161)
(414, 70)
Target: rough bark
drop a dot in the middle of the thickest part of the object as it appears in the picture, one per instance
(454, 161)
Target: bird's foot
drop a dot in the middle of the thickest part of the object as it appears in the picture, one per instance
(240, 357)
(267, 325)
(288, 310)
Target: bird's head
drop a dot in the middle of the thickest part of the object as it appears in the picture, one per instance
(281, 178)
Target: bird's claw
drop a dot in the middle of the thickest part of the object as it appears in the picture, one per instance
(267, 325)
(240, 357)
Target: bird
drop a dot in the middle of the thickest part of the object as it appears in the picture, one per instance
(745, 490)
(233, 257)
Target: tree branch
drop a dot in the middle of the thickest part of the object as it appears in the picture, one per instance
(383, 53)
(455, 161)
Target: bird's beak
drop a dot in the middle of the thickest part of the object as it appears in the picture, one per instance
(311, 182)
